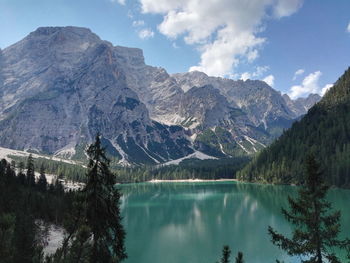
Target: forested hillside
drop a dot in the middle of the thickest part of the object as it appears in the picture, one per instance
(323, 131)
(27, 208)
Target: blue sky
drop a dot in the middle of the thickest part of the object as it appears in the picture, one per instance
(257, 39)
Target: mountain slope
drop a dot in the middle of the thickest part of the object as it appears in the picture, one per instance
(206, 108)
(63, 85)
(300, 106)
(264, 106)
(323, 131)
(59, 86)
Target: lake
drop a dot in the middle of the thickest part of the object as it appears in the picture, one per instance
(190, 222)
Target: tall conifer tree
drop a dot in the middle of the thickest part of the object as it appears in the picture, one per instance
(316, 226)
(30, 174)
(239, 258)
(42, 182)
(102, 208)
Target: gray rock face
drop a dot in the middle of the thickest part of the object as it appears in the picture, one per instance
(63, 85)
(262, 104)
(59, 86)
(300, 106)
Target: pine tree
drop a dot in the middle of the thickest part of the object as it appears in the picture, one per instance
(30, 174)
(102, 208)
(25, 243)
(317, 227)
(21, 176)
(42, 182)
(226, 253)
(7, 222)
(239, 258)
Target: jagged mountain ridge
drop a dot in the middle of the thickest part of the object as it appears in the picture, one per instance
(266, 111)
(61, 85)
(264, 106)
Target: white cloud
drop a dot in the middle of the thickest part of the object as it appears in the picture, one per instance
(175, 45)
(286, 8)
(298, 73)
(146, 33)
(130, 14)
(259, 71)
(348, 28)
(122, 2)
(245, 76)
(325, 89)
(138, 23)
(310, 84)
(270, 79)
(224, 31)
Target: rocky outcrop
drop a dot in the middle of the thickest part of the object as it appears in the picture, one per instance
(300, 106)
(64, 85)
(60, 86)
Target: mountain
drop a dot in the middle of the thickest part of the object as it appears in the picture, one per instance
(258, 112)
(324, 131)
(264, 106)
(60, 86)
(300, 106)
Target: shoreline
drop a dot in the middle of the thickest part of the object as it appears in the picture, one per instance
(196, 180)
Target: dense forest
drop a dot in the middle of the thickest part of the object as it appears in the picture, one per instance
(187, 169)
(27, 207)
(70, 171)
(90, 217)
(324, 131)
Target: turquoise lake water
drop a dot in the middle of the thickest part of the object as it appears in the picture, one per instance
(190, 222)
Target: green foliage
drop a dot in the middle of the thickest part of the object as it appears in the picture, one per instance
(22, 206)
(42, 182)
(187, 169)
(7, 225)
(79, 152)
(73, 172)
(239, 258)
(316, 226)
(226, 253)
(323, 131)
(95, 232)
(102, 208)
(208, 142)
(30, 175)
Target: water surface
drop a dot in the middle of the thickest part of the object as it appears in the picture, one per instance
(190, 222)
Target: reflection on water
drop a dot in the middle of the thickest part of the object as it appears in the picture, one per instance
(190, 222)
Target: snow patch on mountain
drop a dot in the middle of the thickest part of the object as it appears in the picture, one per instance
(196, 155)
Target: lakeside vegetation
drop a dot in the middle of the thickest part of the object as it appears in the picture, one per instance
(24, 204)
(187, 169)
(91, 217)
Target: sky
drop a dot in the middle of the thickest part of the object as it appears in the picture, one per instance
(296, 46)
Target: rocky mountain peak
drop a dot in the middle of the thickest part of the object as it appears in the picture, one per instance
(67, 39)
(59, 86)
(300, 106)
(130, 57)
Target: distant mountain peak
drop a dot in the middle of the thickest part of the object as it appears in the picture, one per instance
(61, 85)
(55, 29)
